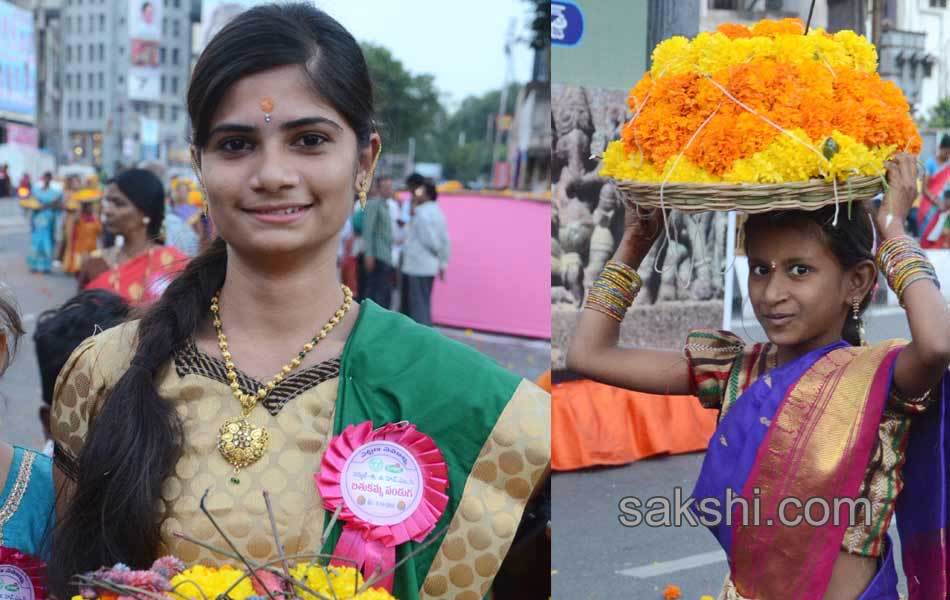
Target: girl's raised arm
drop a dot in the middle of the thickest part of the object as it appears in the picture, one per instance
(923, 362)
(594, 352)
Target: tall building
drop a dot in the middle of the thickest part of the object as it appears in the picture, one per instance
(916, 37)
(18, 67)
(125, 72)
(49, 80)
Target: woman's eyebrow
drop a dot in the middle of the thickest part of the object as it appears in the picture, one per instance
(302, 122)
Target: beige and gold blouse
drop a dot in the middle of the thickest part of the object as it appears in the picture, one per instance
(195, 383)
(299, 416)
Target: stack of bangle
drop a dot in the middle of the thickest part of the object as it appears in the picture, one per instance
(614, 291)
(903, 263)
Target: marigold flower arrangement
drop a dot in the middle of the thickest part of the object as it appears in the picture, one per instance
(761, 105)
(168, 578)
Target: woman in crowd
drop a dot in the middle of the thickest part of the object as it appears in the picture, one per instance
(140, 268)
(49, 201)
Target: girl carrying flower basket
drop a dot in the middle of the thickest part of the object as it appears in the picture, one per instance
(813, 414)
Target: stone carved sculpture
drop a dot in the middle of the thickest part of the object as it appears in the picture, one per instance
(588, 213)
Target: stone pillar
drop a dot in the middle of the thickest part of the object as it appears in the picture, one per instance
(847, 14)
(666, 19)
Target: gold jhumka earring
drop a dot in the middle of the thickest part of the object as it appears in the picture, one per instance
(368, 180)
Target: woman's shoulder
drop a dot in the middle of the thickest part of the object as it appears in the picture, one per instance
(389, 343)
(103, 356)
(167, 255)
(35, 469)
(25, 476)
(716, 343)
(119, 339)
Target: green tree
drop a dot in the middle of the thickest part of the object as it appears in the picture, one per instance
(407, 105)
(464, 147)
(940, 114)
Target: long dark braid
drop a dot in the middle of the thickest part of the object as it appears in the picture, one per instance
(135, 440)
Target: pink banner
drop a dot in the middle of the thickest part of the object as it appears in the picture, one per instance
(499, 269)
(23, 135)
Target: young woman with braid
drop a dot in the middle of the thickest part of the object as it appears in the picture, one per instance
(283, 140)
(813, 413)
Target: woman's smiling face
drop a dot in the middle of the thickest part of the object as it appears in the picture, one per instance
(285, 184)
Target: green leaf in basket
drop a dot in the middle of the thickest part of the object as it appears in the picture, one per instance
(830, 148)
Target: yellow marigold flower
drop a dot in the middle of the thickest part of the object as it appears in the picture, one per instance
(784, 160)
(686, 172)
(212, 582)
(374, 594)
(712, 52)
(855, 159)
(617, 164)
(669, 57)
(343, 580)
(862, 52)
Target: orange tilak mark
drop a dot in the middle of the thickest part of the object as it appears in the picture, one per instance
(267, 105)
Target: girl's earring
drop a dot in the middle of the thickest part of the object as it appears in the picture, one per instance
(856, 315)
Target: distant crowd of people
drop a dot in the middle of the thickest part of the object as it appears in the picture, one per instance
(392, 251)
(127, 236)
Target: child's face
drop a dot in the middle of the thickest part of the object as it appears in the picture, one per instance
(799, 291)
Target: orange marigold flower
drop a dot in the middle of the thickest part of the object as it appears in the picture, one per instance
(734, 30)
(639, 93)
(671, 592)
(769, 28)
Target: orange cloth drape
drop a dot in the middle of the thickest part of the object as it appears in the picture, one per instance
(596, 424)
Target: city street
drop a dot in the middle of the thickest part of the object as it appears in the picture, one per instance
(595, 557)
(20, 393)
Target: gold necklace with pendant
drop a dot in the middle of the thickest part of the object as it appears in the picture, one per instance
(239, 442)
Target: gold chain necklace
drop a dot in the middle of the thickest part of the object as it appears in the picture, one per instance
(239, 442)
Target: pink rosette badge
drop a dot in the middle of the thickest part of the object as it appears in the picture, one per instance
(22, 576)
(390, 486)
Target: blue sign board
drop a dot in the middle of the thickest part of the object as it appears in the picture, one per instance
(567, 24)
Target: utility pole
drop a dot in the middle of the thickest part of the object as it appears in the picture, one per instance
(503, 101)
(666, 19)
(877, 13)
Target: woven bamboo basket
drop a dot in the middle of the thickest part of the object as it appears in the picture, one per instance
(749, 198)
